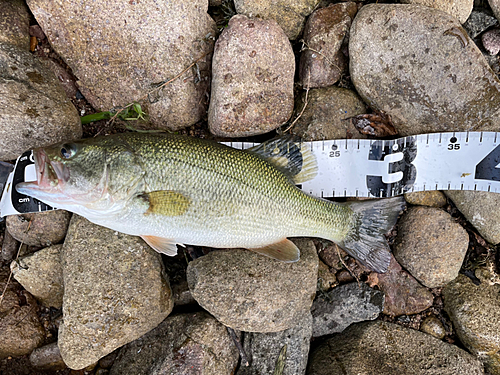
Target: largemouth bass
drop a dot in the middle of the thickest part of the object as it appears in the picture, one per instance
(171, 189)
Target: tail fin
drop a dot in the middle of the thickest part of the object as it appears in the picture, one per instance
(366, 241)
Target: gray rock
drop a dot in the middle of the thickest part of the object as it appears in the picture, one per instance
(10, 247)
(252, 84)
(327, 114)
(181, 344)
(491, 41)
(401, 58)
(130, 49)
(321, 61)
(346, 304)
(433, 198)
(478, 22)
(264, 349)
(433, 326)
(41, 275)
(14, 24)
(253, 293)
(460, 9)
(115, 290)
(475, 313)
(20, 328)
(431, 245)
(390, 349)
(481, 210)
(39, 229)
(290, 14)
(47, 357)
(495, 7)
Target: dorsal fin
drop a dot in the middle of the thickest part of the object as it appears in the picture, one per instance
(290, 156)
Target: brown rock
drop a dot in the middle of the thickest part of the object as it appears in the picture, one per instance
(426, 198)
(433, 326)
(326, 278)
(47, 357)
(252, 84)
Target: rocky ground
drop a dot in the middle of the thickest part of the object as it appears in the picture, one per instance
(81, 299)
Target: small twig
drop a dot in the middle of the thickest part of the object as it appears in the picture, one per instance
(305, 104)
(319, 53)
(281, 361)
(244, 358)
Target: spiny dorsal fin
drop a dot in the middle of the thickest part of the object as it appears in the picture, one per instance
(285, 250)
(162, 245)
(290, 156)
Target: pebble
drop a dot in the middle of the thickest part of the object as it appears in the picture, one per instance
(390, 349)
(252, 82)
(290, 15)
(430, 245)
(434, 198)
(253, 293)
(433, 327)
(401, 58)
(346, 304)
(403, 294)
(162, 39)
(263, 350)
(460, 9)
(115, 298)
(182, 344)
(327, 114)
(39, 229)
(481, 210)
(478, 22)
(321, 61)
(47, 357)
(491, 41)
(475, 313)
(41, 275)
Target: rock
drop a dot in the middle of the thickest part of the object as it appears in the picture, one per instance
(401, 57)
(47, 357)
(290, 15)
(14, 24)
(495, 7)
(115, 290)
(20, 328)
(346, 304)
(9, 247)
(478, 22)
(433, 326)
(475, 313)
(326, 278)
(263, 350)
(131, 48)
(403, 294)
(327, 114)
(491, 41)
(321, 61)
(66, 80)
(39, 229)
(430, 245)
(433, 198)
(41, 275)
(181, 294)
(252, 84)
(460, 9)
(181, 344)
(253, 293)
(390, 349)
(481, 210)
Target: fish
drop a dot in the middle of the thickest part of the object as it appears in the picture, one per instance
(172, 189)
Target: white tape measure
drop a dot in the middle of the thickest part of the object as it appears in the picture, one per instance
(357, 167)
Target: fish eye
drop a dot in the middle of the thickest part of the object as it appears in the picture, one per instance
(68, 150)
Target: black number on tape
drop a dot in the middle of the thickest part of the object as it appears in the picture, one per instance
(486, 168)
(378, 151)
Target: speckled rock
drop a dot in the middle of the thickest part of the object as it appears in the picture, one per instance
(433, 326)
(430, 245)
(41, 275)
(253, 293)
(481, 210)
(181, 344)
(478, 22)
(131, 48)
(491, 41)
(460, 9)
(390, 349)
(416, 64)
(252, 84)
(289, 14)
(346, 304)
(433, 198)
(264, 349)
(14, 24)
(475, 313)
(321, 61)
(327, 114)
(115, 290)
(39, 229)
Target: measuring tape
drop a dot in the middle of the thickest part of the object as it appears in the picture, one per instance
(356, 167)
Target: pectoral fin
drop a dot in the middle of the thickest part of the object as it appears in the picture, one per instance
(285, 250)
(162, 245)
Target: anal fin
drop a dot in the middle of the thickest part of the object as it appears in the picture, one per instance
(285, 250)
(165, 246)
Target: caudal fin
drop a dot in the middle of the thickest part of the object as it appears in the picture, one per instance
(366, 241)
